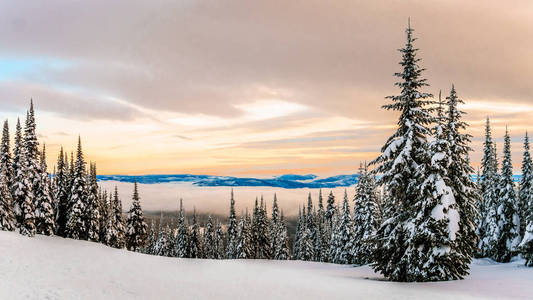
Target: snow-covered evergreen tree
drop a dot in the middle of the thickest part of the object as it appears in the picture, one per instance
(526, 184)
(281, 252)
(489, 194)
(92, 214)
(399, 164)
(195, 239)
(506, 233)
(434, 253)
(21, 189)
(366, 217)
(103, 207)
(7, 217)
(136, 228)
(76, 226)
(152, 240)
(263, 248)
(298, 235)
(6, 166)
(278, 232)
(232, 230)
(463, 187)
(330, 210)
(44, 208)
(182, 238)
(219, 250)
(240, 251)
(62, 194)
(115, 231)
(306, 249)
(209, 240)
(344, 235)
(526, 246)
(163, 246)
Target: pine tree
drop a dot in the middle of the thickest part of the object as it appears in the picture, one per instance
(296, 249)
(21, 189)
(152, 240)
(44, 210)
(507, 230)
(330, 210)
(104, 215)
(195, 239)
(263, 249)
(240, 251)
(343, 254)
(6, 161)
(92, 214)
(322, 239)
(434, 253)
(115, 231)
(524, 194)
(489, 193)
(399, 164)
(232, 230)
(209, 240)
(366, 217)
(136, 231)
(463, 187)
(62, 193)
(76, 227)
(182, 239)
(526, 246)
(163, 246)
(281, 252)
(219, 250)
(7, 217)
(306, 247)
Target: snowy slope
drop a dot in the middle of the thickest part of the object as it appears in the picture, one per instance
(57, 268)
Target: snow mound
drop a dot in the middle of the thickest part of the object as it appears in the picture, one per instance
(56, 268)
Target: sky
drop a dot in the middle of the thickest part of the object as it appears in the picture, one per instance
(253, 88)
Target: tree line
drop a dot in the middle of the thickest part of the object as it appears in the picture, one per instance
(68, 203)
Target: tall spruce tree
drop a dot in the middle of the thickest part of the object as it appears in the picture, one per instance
(232, 230)
(92, 214)
(44, 208)
(344, 235)
(366, 217)
(209, 240)
(115, 231)
(76, 226)
(506, 233)
(402, 157)
(526, 246)
(463, 187)
(182, 239)
(62, 193)
(489, 194)
(526, 184)
(7, 217)
(136, 228)
(306, 249)
(219, 250)
(434, 253)
(263, 248)
(21, 189)
(195, 238)
(6, 161)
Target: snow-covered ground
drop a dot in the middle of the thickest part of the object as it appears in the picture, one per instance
(57, 268)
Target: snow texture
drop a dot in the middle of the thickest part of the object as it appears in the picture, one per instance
(85, 270)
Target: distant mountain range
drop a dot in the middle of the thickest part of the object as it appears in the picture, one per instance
(287, 181)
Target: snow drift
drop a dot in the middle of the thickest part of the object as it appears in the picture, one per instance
(56, 268)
